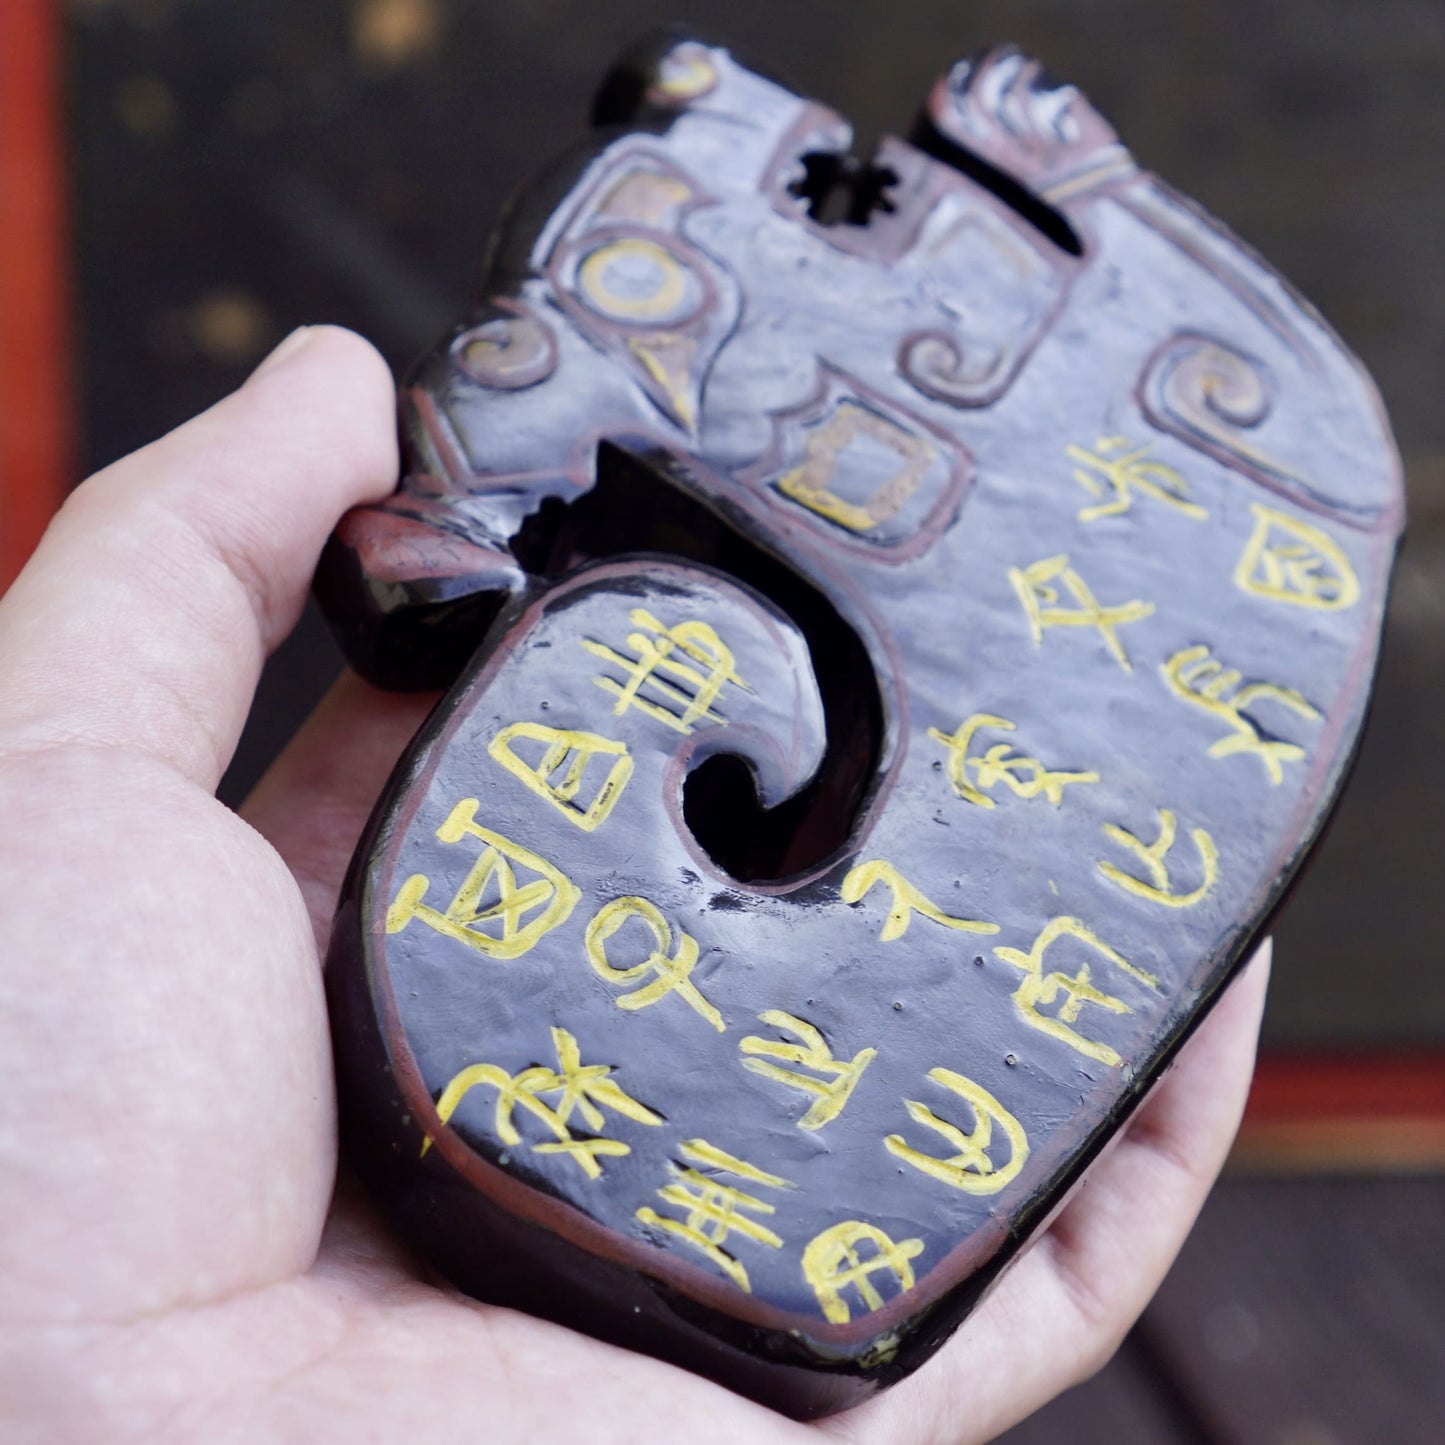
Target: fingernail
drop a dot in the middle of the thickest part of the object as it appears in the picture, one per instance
(288, 346)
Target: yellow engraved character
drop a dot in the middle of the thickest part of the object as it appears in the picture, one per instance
(810, 483)
(1196, 678)
(840, 1077)
(684, 668)
(494, 928)
(587, 1089)
(671, 970)
(1027, 777)
(1038, 989)
(563, 748)
(1152, 857)
(832, 1263)
(714, 1211)
(907, 901)
(1121, 473)
(1040, 598)
(1288, 560)
(972, 1167)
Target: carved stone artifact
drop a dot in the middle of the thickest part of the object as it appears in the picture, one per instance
(906, 621)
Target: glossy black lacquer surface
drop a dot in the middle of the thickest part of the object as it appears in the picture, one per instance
(926, 607)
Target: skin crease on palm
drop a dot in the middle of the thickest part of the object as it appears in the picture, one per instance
(177, 1261)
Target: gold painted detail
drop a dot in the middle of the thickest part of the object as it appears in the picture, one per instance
(1287, 560)
(667, 357)
(1116, 470)
(671, 970)
(972, 1167)
(1026, 776)
(907, 901)
(685, 74)
(584, 1089)
(839, 1077)
(713, 1211)
(849, 426)
(646, 197)
(1038, 989)
(684, 668)
(1151, 858)
(833, 1262)
(560, 771)
(1196, 678)
(491, 911)
(636, 281)
(1040, 597)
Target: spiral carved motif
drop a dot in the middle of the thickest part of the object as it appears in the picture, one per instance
(509, 352)
(1209, 381)
(935, 363)
(1207, 394)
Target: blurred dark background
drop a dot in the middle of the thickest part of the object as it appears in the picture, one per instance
(240, 167)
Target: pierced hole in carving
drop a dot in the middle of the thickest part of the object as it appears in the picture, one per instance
(1044, 218)
(634, 507)
(843, 190)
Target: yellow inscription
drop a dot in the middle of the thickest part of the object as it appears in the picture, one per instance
(1025, 776)
(683, 668)
(907, 901)
(839, 1077)
(1196, 678)
(714, 1212)
(1152, 858)
(1116, 471)
(832, 1263)
(584, 1089)
(971, 1167)
(1039, 989)
(810, 482)
(1288, 560)
(671, 971)
(1040, 596)
(491, 911)
(559, 773)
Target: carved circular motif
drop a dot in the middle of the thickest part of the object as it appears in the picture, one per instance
(638, 282)
(507, 353)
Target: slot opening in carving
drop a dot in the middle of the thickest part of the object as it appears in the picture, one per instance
(843, 190)
(1048, 220)
(634, 507)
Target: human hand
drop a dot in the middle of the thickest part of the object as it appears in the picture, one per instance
(173, 1264)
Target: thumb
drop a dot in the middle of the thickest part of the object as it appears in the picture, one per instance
(146, 613)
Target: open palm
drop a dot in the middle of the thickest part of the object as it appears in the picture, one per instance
(177, 1261)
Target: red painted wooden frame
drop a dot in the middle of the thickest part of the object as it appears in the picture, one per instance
(35, 413)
